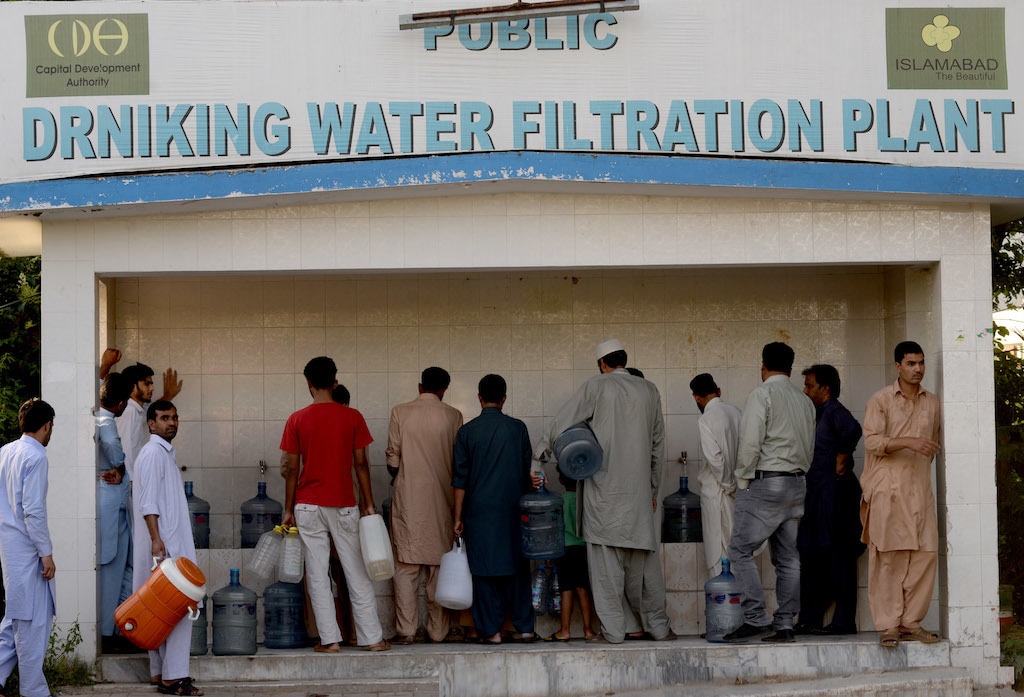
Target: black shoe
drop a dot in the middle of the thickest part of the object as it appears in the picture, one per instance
(802, 628)
(781, 636)
(832, 630)
(747, 632)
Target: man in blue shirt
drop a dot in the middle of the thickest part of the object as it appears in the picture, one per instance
(113, 511)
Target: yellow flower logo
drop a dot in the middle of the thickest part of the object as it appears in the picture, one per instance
(940, 33)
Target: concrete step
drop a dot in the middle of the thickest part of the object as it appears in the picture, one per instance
(918, 682)
(546, 669)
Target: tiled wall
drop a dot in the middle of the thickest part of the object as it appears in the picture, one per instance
(238, 300)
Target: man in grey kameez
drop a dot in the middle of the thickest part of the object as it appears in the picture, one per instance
(26, 551)
(617, 505)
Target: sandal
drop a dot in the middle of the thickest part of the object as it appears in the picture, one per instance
(890, 638)
(554, 637)
(182, 686)
(920, 634)
(382, 645)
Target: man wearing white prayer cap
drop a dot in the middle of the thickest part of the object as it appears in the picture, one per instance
(616, 506)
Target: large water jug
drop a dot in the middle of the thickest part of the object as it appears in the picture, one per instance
(172, 591)
(723, 604)
(199, 511)
(578, 453)
(542, 531)
(259, 515)
(263, 562)
(375, 544)
(283, 625)
(540, 589)
(289, 568)
(681, 516)
(199, 645)
(234, 619)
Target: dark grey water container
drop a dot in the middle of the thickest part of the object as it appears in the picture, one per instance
(542, 530)
(259, 515)
(578, 453)
(199, 512)
(234, 619)
(283, 625)
(681, 520)
(199, 645)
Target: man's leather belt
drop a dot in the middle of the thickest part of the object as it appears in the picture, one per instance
(767, 474)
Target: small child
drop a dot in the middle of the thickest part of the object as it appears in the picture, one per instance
(573, 578)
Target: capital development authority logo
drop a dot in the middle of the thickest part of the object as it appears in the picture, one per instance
(947, 48)
(72, 55)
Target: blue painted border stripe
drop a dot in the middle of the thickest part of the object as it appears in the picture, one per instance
(461, 168)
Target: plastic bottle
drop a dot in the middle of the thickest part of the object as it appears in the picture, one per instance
(263, 562)
(539, 590)
(200, 643)
(283, 623)
(199, 511)
(554, 595)
(542, 531)
(289, 568)
(723, 604)
(578, 453)
(234, 619)
(259, 515)
(681, 521)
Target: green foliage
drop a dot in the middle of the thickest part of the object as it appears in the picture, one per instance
(61, 665)
(1007, 287)
(19, 339)
(1013, 652)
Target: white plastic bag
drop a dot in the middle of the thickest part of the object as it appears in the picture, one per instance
(454, 581)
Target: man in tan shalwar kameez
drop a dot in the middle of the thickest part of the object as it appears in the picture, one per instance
(901, 437)
(421, 446)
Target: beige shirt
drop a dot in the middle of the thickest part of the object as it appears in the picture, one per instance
(898, 506)
(421, 444)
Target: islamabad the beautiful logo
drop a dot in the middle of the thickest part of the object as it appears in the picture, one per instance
(940, 33)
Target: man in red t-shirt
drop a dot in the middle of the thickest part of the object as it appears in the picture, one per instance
(323, 442)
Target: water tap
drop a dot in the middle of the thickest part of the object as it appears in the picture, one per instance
(263, 469)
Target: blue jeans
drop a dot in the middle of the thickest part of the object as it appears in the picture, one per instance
(769, 509)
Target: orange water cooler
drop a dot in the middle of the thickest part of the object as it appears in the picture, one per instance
(173, 590)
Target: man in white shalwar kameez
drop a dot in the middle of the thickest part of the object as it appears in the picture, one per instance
(719, 427)
(26, 551)
(617, 505)
(163, 528)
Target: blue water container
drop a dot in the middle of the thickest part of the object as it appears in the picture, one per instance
(283, 624)
(234, 619)
(543, 533)
(259, 515)
(199, 645)
(723, 605)
(578, 453)
(199, 512)
(681, 521)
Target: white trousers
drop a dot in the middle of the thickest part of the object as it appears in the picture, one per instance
(318, 525)
(23, 643)
(170, 661)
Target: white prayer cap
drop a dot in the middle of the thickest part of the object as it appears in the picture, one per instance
(608, 346)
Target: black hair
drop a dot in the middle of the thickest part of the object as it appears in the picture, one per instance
(615, 359)
(703, 385)
(137, 373)
(158, 405)
(825, 375)
(635, 372)
(34, 414)
(492, 388)
(341, 395)
(435, 379)
(778, 357)
(905, 347)
(321, 372)
(114, 390)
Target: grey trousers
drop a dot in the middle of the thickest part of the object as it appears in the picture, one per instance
(769, 509)
(627, 584)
